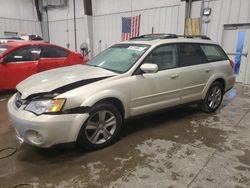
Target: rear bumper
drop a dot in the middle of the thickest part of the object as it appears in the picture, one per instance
(44, 130)
(230, 83)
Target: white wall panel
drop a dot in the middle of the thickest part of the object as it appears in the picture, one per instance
(196, 7)
(181, 17)
(17, 9)
(225, 12)
(19, 16)
(67, 12)
(62, 32)
(101, 7)
(58, 32)
(214, 24)
(162, 16)
(18, 25)
(234, 11)
(175, 19)
(61, 25)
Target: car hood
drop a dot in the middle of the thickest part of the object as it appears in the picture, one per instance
(62, 79)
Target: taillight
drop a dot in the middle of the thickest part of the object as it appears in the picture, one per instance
(231, 63)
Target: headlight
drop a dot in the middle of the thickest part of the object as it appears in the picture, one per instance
(45, 106)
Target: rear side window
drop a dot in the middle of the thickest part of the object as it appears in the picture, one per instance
(213, 52)
(191, 54)
(53, 52)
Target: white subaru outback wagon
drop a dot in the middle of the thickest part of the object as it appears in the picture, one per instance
(88, 104)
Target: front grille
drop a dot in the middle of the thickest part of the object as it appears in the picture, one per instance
(18, 100)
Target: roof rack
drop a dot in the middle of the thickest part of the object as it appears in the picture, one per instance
(195, 36)
(154, 36)
(168, 36)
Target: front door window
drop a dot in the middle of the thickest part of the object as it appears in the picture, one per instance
(30, 53)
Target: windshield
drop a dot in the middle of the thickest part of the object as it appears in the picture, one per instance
(119, 58)
(3, 48)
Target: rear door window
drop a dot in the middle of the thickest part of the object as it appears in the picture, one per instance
(53, 52)
(23, 54)
(191, 54)
(213, 52)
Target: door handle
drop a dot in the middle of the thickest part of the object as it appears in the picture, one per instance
(207, 70)
(174, 76)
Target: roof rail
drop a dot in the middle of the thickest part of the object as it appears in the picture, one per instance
(155, 36)
(195, 36)
(168, 36)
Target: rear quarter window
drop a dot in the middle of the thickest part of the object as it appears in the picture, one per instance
(213, 52)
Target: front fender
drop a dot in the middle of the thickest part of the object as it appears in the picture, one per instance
(91, 100)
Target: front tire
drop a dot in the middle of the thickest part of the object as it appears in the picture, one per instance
(101, 128)
(213, 98)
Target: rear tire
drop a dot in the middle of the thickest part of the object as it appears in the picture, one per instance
(101, 128)
(213, 98)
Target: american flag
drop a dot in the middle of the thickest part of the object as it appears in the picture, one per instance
(130, 27)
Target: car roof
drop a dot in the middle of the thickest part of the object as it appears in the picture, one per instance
(26, 43)
(155, 40)
(17, 44)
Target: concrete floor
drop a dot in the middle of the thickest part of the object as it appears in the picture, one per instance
(179, 148)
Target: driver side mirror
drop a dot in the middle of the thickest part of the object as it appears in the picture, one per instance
(149, 68)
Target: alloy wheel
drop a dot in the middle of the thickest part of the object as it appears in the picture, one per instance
(214, 97)
(100, 127)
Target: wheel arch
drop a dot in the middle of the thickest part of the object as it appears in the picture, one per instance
(222, 81)
(116, 102)
(218, 78)
(116, 98)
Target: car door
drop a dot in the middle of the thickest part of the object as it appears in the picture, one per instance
(52, 57)
(19, 64)
(154, 91)
(194, 71)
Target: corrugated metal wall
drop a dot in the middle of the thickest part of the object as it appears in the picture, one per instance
(19, 18)
(61, 25)
(229, 12)
(62, 32)
(225, 12)
(18, 25)
(163, 16)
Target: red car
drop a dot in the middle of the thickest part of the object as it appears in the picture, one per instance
(19, 60)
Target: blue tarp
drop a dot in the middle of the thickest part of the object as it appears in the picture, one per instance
(239, 48)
